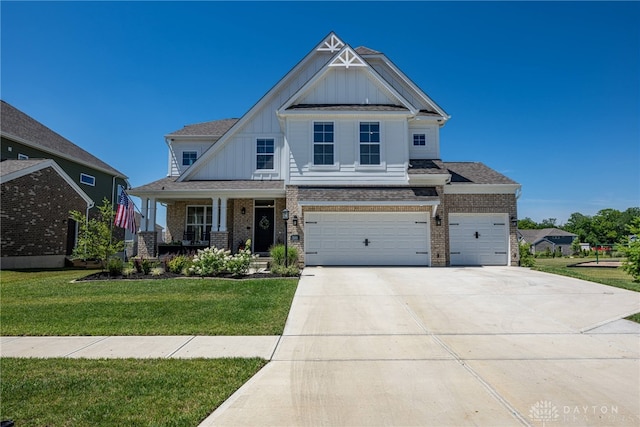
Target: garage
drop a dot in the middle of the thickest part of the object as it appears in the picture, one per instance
(478, 239)
(367, 238)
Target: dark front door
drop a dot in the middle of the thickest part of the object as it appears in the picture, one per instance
(263, 229)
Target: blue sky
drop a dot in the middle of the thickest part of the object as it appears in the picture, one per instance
(547, 93)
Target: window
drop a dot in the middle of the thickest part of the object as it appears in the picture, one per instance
(189, 157)
(323, 143)
(22, 156)
(264, 151)
(419, 139)
(198, 223)
(370, 143)
(87, 179)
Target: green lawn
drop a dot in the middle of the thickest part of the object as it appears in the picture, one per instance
(118, 392)
(47, 303)
(605, 275)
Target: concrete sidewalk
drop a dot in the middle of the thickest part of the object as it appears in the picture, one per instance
(143, 347)
(447, 347)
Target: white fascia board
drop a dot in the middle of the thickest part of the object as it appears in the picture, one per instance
(249, 114)
(481, 188)
(430, 179)
(302, 203)
(325, 69)
(63, 155)
(413, 86)
(207, 194)
(43, 165)
(325, 113)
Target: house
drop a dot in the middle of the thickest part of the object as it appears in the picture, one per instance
(70, 168)
(36, 197)
(350, 146)
(553, 239)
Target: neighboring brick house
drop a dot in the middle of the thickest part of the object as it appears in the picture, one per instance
(553, 239)
(350, 146)
(25, 139)
(36, 197)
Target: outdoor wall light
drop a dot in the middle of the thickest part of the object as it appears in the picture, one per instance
(285, 214)
(438, 220)
(514, 221)
(243, 210)
(295, 220)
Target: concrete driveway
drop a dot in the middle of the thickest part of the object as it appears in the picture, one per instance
(447, 347)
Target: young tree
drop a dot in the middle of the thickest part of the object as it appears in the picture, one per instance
(95, 239)
(632, 263)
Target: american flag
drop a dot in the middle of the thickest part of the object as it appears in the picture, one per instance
(125, 216)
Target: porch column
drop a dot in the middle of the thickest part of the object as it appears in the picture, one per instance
(215, 217)
(151, 222)
(223, 214)
(144, 208)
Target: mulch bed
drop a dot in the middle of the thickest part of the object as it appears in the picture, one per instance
(103, 275)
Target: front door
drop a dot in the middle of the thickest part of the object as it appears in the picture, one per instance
(263, 229)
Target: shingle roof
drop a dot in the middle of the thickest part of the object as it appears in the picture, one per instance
(11, 166)
(363, 50)
(461, 172)
(366, 194)
(532, 236)
(213, 128)
(170, 184)
(348, 107)
(15, 123)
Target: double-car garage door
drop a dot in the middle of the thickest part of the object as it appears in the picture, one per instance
(367, 238)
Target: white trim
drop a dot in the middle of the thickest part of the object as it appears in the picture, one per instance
(481, 188)
(335, 166)
(256, 154)
(331, 44)
(348, 58)
(45, 164)
(92, 179)
(429, 179)
(368, 203)
(22, 156)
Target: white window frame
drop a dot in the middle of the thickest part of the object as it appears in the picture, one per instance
(273, 154)
(204, 224)
(368, 167)
(330, 167)
(194, 160)
(91, 178)
(424, 139)
(22, 156)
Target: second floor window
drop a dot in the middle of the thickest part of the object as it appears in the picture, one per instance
(189, 158)
(265, 153)
(419, 139)
(87, 179)
(323, 143)
(370, 143)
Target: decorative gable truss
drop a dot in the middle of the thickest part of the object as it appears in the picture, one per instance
(348, 58)
(331, 44)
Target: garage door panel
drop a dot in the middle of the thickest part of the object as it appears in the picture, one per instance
(333, 238)
(478, 239)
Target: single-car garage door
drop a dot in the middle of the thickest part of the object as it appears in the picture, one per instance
(367, 238)
(478, 239)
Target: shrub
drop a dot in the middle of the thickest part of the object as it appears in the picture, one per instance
(277, 254)
(178, 263)
(209, 261)
(632, 263)
(115, 266)
(239, 264)
(128, 271)
(526, 257)
(143, 265)
(157, 271)
(290, 271)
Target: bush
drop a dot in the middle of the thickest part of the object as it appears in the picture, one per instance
(290, 271)
(115, 266)
(239, 264)
(143, 265)
(277, 254)
(129, 271)
(178, 264)
(526, 257)
(632, 264)
(157, 271)
(213, 261)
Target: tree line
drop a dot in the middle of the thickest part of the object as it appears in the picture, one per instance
(608, 226)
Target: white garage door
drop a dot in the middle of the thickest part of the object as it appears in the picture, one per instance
(367, 238)
(478, 239)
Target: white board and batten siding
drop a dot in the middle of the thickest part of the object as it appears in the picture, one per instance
(367, 238)
(346, 169)
(431, 149)
(478, 239)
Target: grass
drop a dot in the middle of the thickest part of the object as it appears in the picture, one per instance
(83, 392)
(46, 303)
(606, 275)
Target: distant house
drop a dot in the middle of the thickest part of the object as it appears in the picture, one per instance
(33, 201)
(552, 238)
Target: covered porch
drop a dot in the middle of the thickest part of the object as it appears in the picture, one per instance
(200, 214)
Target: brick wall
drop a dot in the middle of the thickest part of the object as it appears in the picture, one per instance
(34, 214)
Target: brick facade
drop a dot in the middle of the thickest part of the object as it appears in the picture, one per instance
(35, 214)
